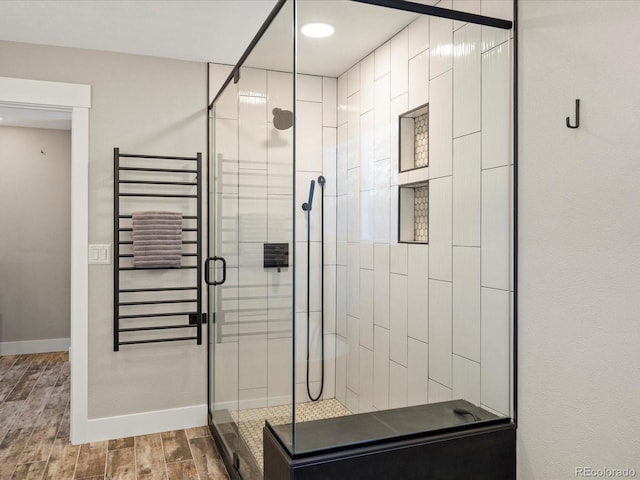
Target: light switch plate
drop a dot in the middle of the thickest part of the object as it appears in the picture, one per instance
(100, 254)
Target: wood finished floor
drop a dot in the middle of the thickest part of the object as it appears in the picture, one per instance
(34, 434)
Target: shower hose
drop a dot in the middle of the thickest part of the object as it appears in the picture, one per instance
(321, 181)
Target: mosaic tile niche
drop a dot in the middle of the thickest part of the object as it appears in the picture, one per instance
(421, 214)
(421, 141)
(414, 139)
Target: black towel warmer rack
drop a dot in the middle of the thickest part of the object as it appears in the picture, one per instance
(146, 177)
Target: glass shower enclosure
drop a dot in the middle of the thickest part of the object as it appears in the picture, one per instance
(360, 227)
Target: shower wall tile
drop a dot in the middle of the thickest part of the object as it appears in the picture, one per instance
(439, 393)
(467, 67)
(329, 390)
(353, 205)
(279, 371)
(398, 318)
(399, 59)
(301, 276)
(341, 159)
(398, 256)
(353, 357)
(399, 106)
(252, 371)
(366, 255)
(466, 380)
(469, 6)
(492, 37)
(366, 83)
(309, 88)
(495, 359)
(497, 8)
(329, 160)
(353, 401)
(353, 280)
(440, 125)
(279, 306)
(252, 219)
(382, 57)
(342, 99)
(341, 300)
(393, 214)
(417, 372)
(367, 215)
(496, 227)
(342, 351)
(309, 126)
(366, 308)
(227, 105)
(418, 80)
(440, 228)
(218, 74)
(252, 398)
(329, 102)
(301, 346)
(353, 131)
(353, 80)
(367, 142)
(279, 92)
(366, 380)
(381, 285)
(382, 205)
(397, 385)
(440, 332)
(342, 226)
(418, 292)
(495, 107)
(279, 161)
(253, 82)
(466, 190)
(382, 120)
(226, 139)
(330, 233)
(252, 133)
(440, 46)
(330, 292)
(466, 302)
(381, 368)
(418, 36)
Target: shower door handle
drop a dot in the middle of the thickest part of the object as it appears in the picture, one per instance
(207, 278)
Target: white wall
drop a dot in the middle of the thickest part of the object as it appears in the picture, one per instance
(35, 215)
(426, 323)
(579, 336)
(142, 105)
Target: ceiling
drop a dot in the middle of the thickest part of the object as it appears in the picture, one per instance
(197, 30)
(34, 118)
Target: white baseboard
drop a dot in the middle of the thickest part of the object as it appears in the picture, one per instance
(122, 426)
(35, 346)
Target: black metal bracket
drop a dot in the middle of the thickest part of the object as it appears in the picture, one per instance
(577, 116)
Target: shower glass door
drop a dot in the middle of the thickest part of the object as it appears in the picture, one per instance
(251, 227)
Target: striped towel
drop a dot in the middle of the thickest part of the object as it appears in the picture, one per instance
(157, 239)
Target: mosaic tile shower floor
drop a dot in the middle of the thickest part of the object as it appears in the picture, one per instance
(250, 422)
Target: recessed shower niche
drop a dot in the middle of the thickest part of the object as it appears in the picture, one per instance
(413, 165)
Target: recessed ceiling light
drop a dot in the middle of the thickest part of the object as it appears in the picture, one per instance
(317, 30)
(0, 118)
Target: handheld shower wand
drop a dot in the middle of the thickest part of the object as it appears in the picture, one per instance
(307, 205)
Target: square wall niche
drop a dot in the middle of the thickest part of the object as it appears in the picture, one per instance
(414, 139)
(413, 218)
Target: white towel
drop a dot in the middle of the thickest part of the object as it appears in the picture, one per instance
(157, 239)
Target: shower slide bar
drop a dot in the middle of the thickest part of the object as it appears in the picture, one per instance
(128, 303)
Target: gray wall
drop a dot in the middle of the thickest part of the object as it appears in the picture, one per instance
(578, 247)
(142, 105)
(35, 231)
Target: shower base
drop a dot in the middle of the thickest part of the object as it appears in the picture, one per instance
(251, 422)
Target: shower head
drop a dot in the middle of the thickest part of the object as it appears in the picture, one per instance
(307, 206)
(282, 119)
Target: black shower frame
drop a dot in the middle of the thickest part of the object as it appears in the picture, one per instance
(436, 12)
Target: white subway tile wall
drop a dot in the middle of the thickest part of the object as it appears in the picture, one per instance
(404, 324)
